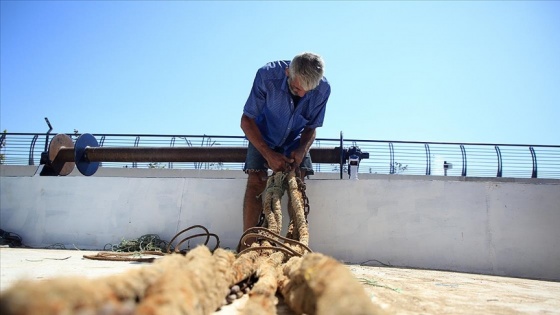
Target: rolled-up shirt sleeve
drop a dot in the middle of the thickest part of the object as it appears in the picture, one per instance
(257, 98)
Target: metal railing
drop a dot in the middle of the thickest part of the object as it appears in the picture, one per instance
(386, 157)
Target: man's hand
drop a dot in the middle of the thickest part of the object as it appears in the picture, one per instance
(279, 162)
(307, 138)
(297, 156)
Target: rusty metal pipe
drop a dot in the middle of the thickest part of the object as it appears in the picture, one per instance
(186, 154)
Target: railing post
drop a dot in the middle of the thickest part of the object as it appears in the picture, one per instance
(31, 149)
(499, 174)
(534, 157)
(198, 165)
(428, 160)
(318, 165)
(136, 142)
(172, 144)
(48, 133)
(2, 144)
(44, 155)
(391, 159)
(101, 141)
(464, 156)
(341, 158)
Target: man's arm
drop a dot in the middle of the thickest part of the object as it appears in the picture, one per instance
(305, 142)
(276, 161)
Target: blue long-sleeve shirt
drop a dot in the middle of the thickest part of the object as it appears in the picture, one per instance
(271, 105)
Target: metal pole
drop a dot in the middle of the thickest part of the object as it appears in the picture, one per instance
(186, 154)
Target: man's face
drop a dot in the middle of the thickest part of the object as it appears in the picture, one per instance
(295, 86)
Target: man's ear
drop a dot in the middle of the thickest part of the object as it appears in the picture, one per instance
(287, 72)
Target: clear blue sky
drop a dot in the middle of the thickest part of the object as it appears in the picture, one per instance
(459, 71)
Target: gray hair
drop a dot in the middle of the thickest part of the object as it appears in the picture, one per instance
(309, 68)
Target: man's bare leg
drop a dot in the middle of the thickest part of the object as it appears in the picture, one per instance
(252, 206)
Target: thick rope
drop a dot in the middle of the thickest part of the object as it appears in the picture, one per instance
(281, 243)
(272, 249)
(297, 219)
(271, 202)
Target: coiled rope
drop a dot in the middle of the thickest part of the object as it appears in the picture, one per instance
(151, 244)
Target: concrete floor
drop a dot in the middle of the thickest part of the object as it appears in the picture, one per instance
(399, 291)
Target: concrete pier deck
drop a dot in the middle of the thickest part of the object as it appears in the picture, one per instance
(398, 290)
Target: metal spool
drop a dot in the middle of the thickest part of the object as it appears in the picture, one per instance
(85, 167)
(58, 164)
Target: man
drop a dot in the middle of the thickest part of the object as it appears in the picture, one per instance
(286, 104)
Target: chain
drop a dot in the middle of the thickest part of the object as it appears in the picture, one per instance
(302, 187)
(261, 220)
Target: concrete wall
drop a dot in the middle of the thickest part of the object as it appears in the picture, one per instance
(506, 227)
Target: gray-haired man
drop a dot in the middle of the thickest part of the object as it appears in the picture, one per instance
(287, 102)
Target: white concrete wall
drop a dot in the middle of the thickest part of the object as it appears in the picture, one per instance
(492, 226)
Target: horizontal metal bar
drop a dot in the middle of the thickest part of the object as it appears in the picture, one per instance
(181, 154)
